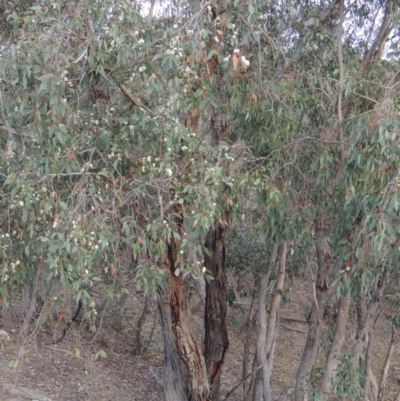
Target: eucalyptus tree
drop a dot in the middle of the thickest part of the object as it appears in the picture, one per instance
(143, 135)
(106, 153)
(318, 80)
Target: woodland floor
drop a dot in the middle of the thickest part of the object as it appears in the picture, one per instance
(68, 371)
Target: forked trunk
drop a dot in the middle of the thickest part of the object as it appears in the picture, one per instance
(216, 340)
(266, 335)
(261, 379)
(321, 291)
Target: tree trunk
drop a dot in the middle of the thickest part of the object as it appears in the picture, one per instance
(249, 392)
(266, 343)
(30, 299)
(386, 365)
(321, 291)
(246, 347)
(261, 380)
(336, 347)
(175, 378)
(186, 347)
(137, 350)
(366, 320)
(216, 341)
(370, 385)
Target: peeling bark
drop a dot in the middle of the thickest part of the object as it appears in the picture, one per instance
(174, 371)
(216, 341)
(186, 347)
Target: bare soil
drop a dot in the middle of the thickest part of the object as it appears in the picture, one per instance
(74, 370)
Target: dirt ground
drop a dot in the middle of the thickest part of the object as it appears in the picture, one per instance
(74, 370)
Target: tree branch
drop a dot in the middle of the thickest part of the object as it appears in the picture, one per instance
(377, 46)
(341, 77)
(135, 100)
(328, 11)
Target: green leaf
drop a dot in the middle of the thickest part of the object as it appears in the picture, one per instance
(211, 54)
(102, 354)
(46, 77)
(311, 21)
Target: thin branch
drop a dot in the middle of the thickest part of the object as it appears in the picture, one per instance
(321, 324)
(341, 77)
(135, 100)
(230, 393)
(6, 127)
(371, 30)
(375, 50)
(384, 31)
(328, 12)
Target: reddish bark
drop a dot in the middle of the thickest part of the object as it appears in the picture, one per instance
(186, 346)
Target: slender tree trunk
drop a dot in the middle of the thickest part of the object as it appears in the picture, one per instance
(249, 392)
(271, 353)
(365, 318)
(30, 298)
(261, 380)
(370, 385)
(336, 347)
(321, 291)
(386, 365)
(265, 348)
(246, 348)
(363, 347)
(309, 355)
(216, 341)
(138, 328)
(366, 321)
